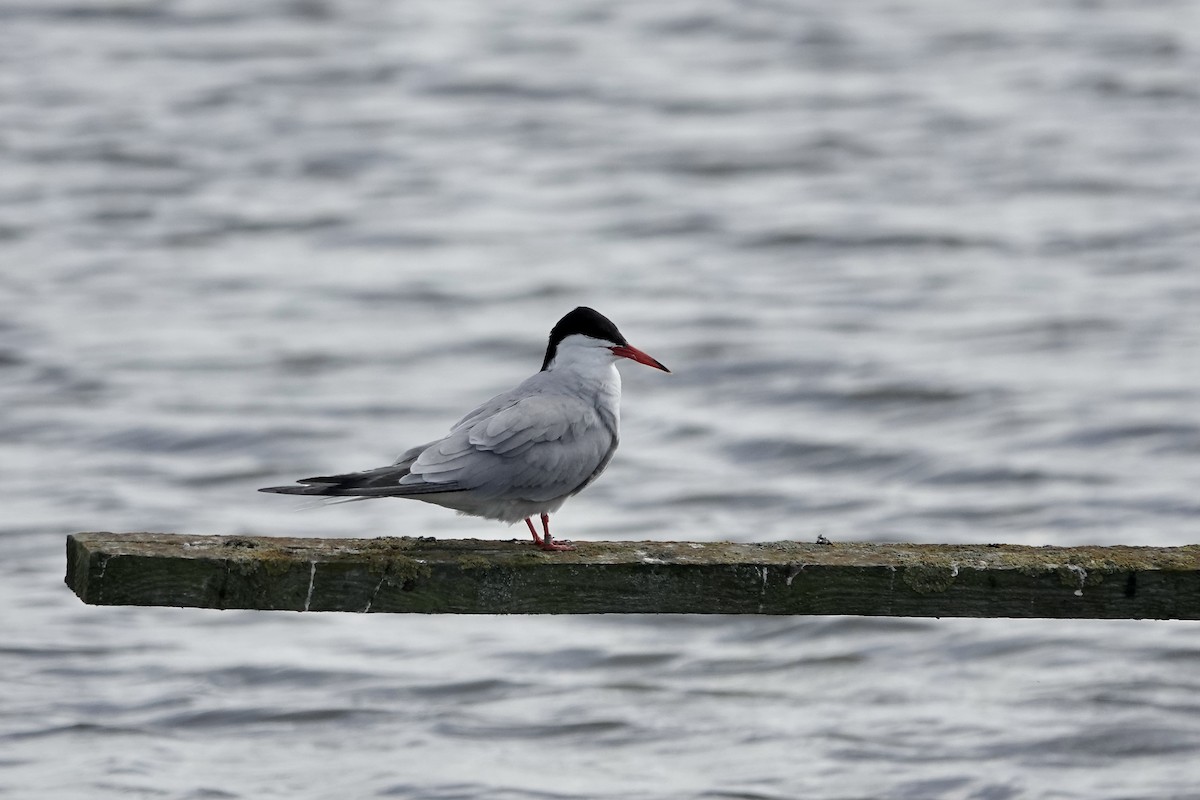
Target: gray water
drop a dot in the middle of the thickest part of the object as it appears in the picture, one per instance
(925, 271)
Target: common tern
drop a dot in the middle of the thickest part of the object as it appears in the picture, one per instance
(524, 452)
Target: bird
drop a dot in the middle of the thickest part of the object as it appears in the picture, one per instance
(524, 452)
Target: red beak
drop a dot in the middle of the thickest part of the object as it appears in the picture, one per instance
(629, 351)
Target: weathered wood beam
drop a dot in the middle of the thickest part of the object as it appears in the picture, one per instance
(424, 575)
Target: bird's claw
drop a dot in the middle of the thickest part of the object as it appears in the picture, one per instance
(552, 546)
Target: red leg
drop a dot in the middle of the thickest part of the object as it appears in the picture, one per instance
(548, 543)
(536, 539)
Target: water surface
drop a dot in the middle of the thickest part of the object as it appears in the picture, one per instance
(923, 273)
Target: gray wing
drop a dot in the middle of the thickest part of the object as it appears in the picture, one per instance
(538, 447)
(522, 444)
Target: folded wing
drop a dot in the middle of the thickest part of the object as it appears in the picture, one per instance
(537, 448)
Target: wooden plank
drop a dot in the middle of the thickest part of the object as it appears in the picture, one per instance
(469, 576)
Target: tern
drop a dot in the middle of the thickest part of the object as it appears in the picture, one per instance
(524, 452)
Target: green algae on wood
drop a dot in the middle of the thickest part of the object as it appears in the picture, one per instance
(468, 576)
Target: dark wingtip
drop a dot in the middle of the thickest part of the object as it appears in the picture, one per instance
(320, 488)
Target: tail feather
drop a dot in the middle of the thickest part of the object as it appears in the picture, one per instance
(382, 482)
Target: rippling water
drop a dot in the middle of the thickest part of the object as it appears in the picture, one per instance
(923, 272)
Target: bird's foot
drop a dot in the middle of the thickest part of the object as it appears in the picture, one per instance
(548, 542)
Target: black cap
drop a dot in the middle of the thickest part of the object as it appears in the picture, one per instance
(585, 321)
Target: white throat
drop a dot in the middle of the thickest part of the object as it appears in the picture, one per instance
(589, 364)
